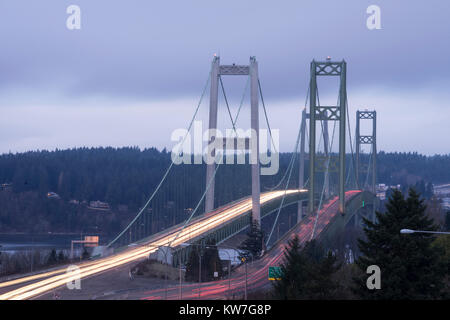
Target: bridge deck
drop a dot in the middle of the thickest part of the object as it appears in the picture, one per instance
(36, 285)
(257, 271)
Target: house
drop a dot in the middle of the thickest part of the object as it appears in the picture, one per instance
(99, 205)
(5, 186)
(53, 195)
(446, 203)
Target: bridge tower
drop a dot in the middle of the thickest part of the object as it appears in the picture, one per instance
(367, 139)
(301, 170)
(327, 113)
(251, 70)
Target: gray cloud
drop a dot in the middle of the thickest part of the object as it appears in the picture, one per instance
(141, 52)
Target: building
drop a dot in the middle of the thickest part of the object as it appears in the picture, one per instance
(99, 205)
(442, 190)
(5, 186)
(446, 203)
(382, 188)
(53, 195)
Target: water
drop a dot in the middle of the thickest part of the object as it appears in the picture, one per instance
(24, 242)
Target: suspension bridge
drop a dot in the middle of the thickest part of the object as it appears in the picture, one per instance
(333, 192)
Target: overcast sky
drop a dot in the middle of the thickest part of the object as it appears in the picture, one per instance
(135, 70)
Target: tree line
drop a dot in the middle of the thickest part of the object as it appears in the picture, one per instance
(125, 177)
(392, 266)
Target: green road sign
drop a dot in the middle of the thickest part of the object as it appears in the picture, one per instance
(275, 273)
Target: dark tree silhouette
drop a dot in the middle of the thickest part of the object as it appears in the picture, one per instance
(307, 273)
(410, 267)
(253, 244)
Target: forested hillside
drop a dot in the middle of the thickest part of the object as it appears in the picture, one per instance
(125, 177)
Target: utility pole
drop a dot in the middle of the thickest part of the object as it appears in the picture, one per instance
(199, 271)
(229, 262)
(181, 288)
(245, 292)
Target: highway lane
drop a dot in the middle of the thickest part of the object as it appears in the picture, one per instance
(36, 285)
(257, 273)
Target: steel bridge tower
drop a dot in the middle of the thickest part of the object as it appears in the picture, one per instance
(367, 139)
(248, 70)
(301, 170)
(327, 113)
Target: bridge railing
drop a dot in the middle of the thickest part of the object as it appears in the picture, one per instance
(234, 226)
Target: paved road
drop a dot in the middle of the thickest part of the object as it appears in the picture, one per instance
(257, 271)
(34, 286)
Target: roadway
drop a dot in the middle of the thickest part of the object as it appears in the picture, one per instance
(257, 273)
(36, 285)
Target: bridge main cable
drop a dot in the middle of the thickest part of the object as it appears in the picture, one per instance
(168, 169)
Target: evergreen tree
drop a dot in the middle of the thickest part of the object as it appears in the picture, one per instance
(429, 191)
(124, 176)
(253, 244)
(410, 267)
(307, 273)
(61, 256)
(447, 221)
(52, 257)
(212, 262)
(85, 255)
(443, 242)
(192, 266)
(293, 271)
(389, 192)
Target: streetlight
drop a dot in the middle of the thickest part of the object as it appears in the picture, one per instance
(408, 231)
(199, 271)
(245, 291)
(199, 266)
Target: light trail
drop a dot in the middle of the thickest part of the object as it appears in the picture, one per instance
(59, 277)
(258, 276)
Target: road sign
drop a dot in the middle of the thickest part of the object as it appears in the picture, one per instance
(91, 241)
(275, 273)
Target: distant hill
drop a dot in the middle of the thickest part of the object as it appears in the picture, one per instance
(52, 191)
